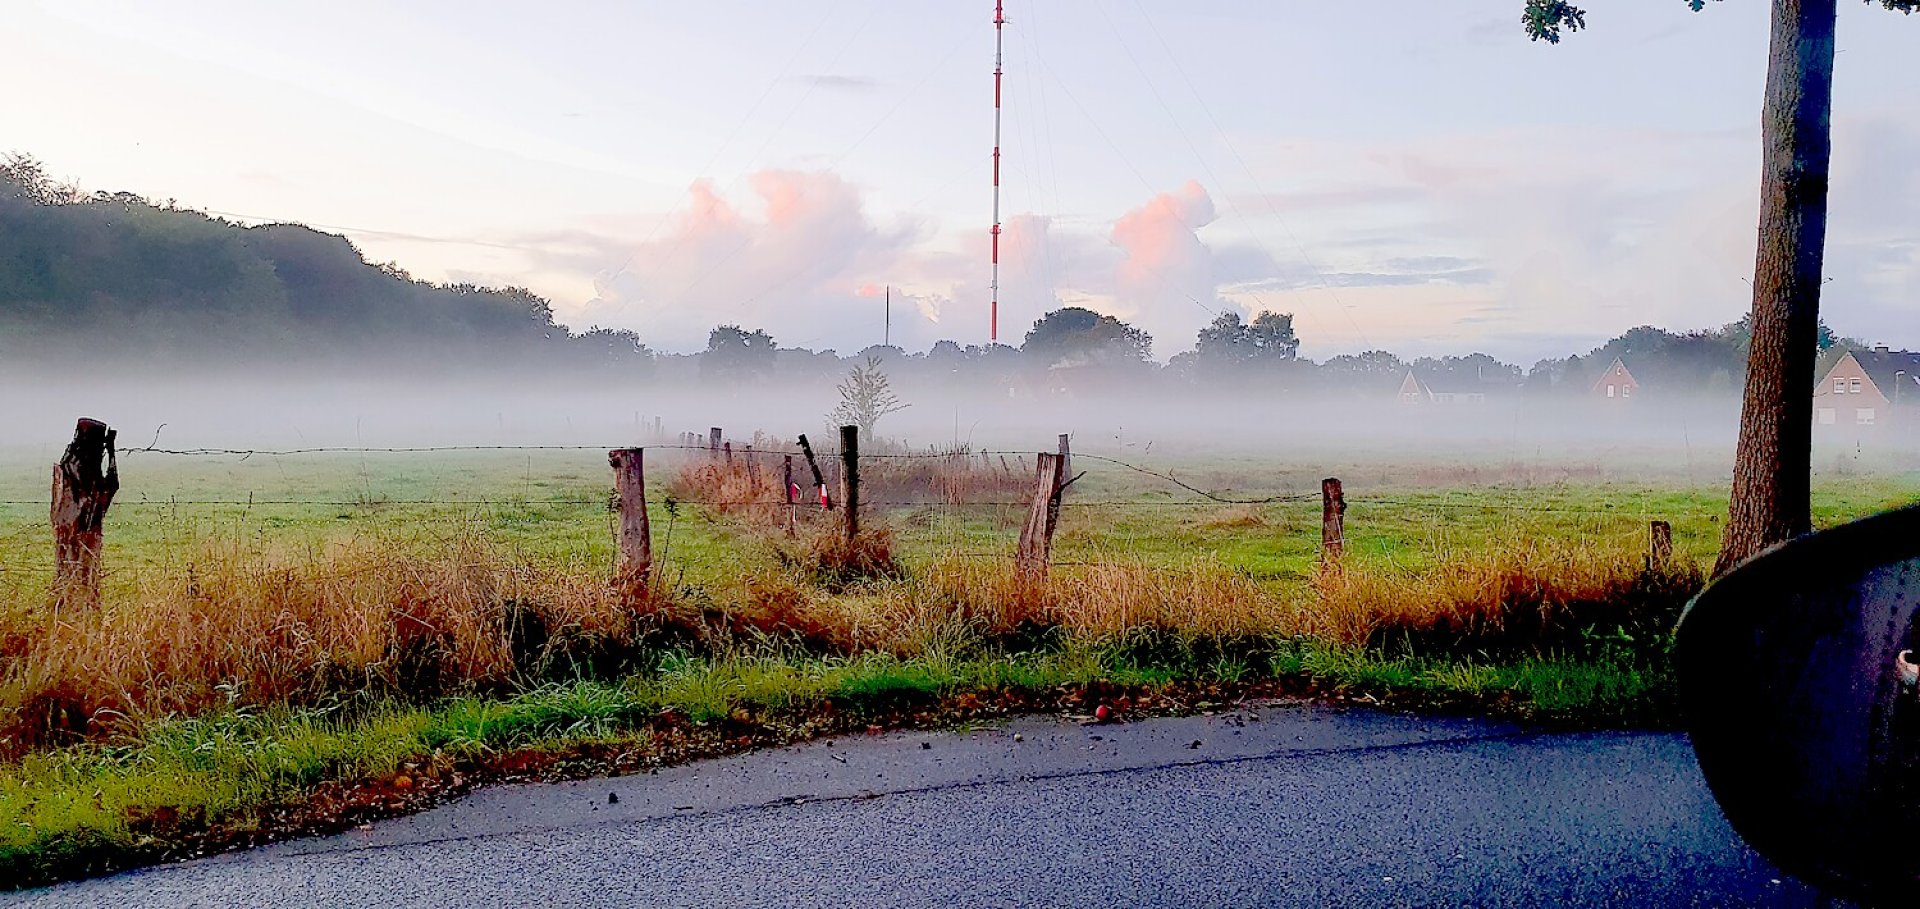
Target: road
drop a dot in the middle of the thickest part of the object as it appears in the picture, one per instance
(1266, 806)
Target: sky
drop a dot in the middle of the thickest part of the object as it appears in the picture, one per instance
(1412, 177)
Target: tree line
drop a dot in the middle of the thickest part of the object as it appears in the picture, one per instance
(116, 274)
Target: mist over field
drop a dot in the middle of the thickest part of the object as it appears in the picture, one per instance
(1148, 423)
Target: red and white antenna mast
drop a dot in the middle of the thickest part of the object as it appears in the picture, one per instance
(993, 323)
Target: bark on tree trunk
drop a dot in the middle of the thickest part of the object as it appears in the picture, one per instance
(1772, 464)
(82, 493)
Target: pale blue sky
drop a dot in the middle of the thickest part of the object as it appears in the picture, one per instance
(1418, 177)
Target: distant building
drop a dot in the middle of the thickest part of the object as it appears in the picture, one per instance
(1869, 388)
(1440, 388)
(1616, 383)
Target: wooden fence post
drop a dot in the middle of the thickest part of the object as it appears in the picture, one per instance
(787, 491)
(850, 478)
(1043, 515)
(1066, 461)
(1659, 545)
(82, 493)
(1333, 523)
(713, 442)
(813, 464)
(634, 538)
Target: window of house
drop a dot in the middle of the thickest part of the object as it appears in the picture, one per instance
(1626, 391)
(1863, 416)
(1853, 386)
(1825, 415)
(1839, 386)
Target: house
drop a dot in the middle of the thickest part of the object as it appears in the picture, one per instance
(1440, 388)
(1616, 383)
(1413, 391)
(1869, 388)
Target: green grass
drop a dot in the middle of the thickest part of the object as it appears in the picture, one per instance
(548, 508)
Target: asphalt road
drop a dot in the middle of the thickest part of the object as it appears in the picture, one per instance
(1276, 806)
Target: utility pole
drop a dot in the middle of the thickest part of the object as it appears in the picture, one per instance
(887, 335)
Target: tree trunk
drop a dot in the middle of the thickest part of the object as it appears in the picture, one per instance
(1772, 465)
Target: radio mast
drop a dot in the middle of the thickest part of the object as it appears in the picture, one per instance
(993, 319)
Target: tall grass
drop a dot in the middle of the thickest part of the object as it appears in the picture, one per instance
(236, 620)
(1528, 596)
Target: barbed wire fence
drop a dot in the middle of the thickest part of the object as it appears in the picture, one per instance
(959, 502)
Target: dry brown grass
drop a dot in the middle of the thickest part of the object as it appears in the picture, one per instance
(1526, 595)
(946, 477)
(825, 554)
(243, 623)
(744, 485)
(1095, 602)
(748, 484)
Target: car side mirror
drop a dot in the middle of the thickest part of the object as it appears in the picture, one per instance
(1800, 688)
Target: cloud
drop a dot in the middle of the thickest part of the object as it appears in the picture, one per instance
(1525, 243)
(1166, 282)
(793, 262)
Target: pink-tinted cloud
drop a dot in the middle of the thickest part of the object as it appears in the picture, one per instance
(801, 257)
(793, 263)
(1166, 282)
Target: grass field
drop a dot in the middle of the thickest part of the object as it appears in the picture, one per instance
(269, 625)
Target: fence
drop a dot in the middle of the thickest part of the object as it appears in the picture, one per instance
(834, 486)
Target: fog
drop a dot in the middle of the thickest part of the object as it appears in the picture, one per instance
(1142, 420)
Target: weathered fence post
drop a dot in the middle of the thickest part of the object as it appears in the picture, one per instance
(713, 442)
(1043, 515)
(819, 482)
(82, 493)
(634, 538)
(1066, 456)
(1333, 523)
(788, 491)
(850, 478)
(1659, 545)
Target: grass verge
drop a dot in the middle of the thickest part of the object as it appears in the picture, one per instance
(242, 776)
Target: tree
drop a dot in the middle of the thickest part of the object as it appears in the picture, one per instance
(614, 350)
(1771, 499)
(25, 177)
(1075, 333)
(1367, 372)
(735, 353)
(1472, 370)
(1228, 339)
(865, 397)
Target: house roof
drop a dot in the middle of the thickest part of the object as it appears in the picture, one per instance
(1882, 367)
(1609, 371)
